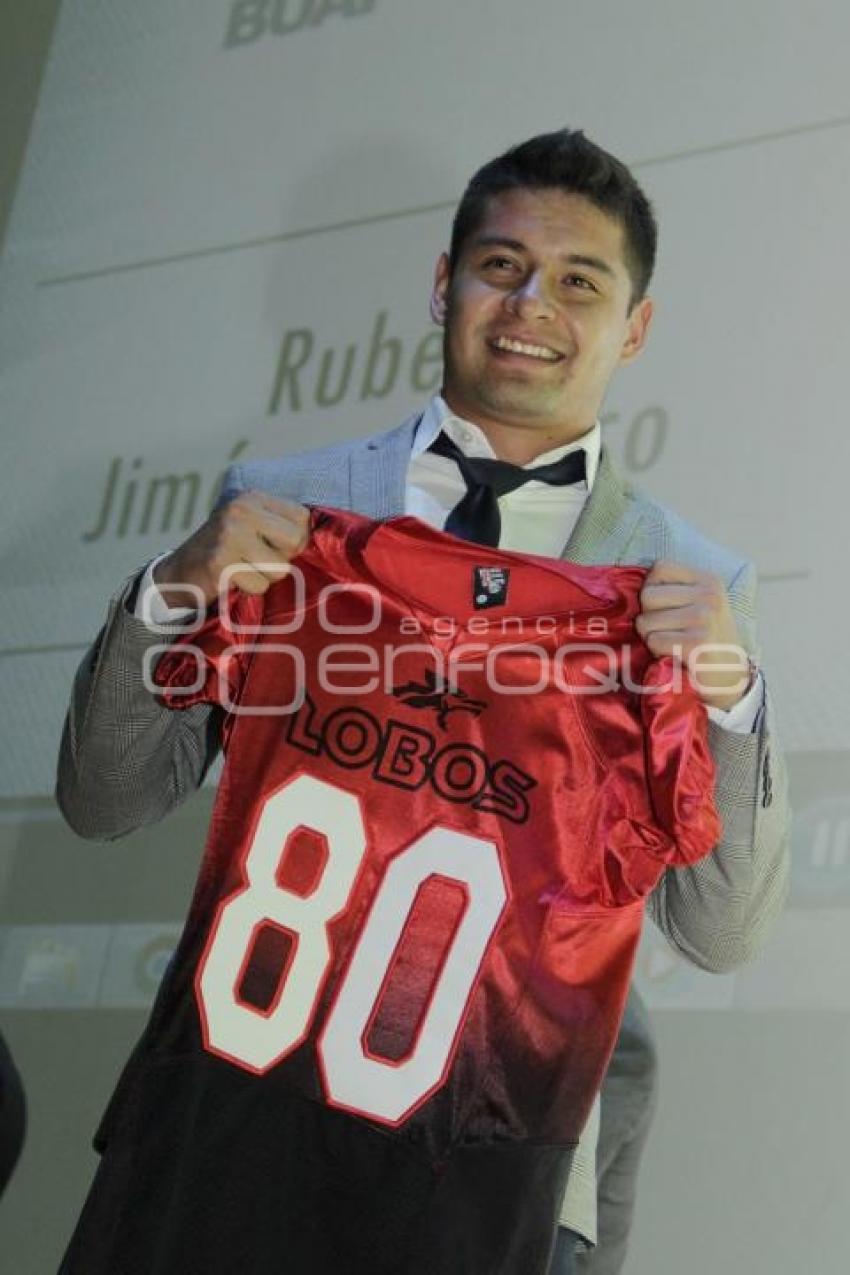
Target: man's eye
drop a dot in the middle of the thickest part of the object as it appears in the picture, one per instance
(585, 284)
(498, 263)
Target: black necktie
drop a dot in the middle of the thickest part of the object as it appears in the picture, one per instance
(476, 516)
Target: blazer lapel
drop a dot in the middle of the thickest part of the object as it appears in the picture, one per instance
(378, 471)
(608, 521)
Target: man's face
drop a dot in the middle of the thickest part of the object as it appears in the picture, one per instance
(536, 319)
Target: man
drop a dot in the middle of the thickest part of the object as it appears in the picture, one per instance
(542, 295)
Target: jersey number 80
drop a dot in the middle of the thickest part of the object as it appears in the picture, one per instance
(382, 1089)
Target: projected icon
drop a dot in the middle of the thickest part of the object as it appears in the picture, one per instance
(51, 964)
(138, 957)
(51, 967)
(152, 962)
(820, 858)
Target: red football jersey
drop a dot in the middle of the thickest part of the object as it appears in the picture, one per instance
(452, 776)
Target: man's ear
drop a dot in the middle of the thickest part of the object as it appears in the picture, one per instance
(637, 330)
(440, 290)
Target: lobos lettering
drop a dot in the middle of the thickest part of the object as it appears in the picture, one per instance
(408, 756)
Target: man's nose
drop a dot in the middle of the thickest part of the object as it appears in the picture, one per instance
(532, 296)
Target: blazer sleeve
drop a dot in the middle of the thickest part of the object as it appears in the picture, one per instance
(719, 912)
(125, 760)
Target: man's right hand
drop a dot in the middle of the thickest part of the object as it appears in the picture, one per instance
(253, 531)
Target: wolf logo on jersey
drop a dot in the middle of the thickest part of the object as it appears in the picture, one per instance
(436, 693)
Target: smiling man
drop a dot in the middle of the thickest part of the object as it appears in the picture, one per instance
(538, 309)
(542, 296)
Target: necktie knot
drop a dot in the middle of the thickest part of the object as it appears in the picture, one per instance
(476, 516)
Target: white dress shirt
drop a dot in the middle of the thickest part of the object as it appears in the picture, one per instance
(536, 517)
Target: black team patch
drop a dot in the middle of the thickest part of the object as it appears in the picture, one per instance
(489, 587)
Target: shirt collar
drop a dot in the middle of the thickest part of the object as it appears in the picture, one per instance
(473, 442)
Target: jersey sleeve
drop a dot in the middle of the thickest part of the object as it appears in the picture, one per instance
(209, 665)
(655, 803)
(680, 769)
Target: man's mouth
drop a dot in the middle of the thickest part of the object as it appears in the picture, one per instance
(512, 346)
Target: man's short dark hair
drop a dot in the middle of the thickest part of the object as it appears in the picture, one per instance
(566, 160)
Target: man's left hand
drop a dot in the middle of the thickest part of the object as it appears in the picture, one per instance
(681, 609)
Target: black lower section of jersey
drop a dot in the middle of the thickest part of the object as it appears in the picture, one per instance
(199, 1179)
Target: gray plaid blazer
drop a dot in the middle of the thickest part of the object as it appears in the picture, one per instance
(125, 761)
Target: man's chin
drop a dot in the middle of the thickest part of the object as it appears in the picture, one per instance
(519, 408)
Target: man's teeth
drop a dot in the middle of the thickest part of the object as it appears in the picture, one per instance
(519, 347)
